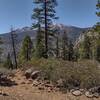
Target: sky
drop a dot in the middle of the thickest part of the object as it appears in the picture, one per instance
(80, 13)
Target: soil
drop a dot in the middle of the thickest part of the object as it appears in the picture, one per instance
(25, 91)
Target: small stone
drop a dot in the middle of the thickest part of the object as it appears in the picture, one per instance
(82, 90)
(88, 94)
(35, 83)
(77, 93)
(72, 90)
(22, 83)
(41, 87)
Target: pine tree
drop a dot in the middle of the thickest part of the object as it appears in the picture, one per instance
(37, 15)
(98, 51)
(45, 12)
(26, 50)
(70, 51)
(86, 47)
(97, 28)
(98, 8)
(57, 45)
(39, 51)
(65, 46)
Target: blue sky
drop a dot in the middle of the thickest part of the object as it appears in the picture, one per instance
(18, 13)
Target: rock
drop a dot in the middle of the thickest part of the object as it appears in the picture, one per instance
(56, 89)
(72, 90)
(60, 83)
(35, 83)
(82, 90)
(3, 77)
(30, 81)
(5, 94)
(49, 89)
(49, 85)
(28, 73)
(46, 82)
(95, 89)
(88, 94)
(96, 95)
(40, 87)
(35, 74)
(77, 93)
(22, 83)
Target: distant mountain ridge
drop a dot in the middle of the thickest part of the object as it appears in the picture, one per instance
(73, 33)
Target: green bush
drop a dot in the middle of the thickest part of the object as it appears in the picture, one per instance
(83, 74)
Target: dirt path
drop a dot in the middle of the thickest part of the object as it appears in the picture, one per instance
(25, 91)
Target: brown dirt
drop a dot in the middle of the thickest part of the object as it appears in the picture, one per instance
(25, 91)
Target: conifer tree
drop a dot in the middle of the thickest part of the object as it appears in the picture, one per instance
(26, 50)
(65, 46)
(56, 42)
(97, 28)
(43, 16)
(70, 51)
(39, 51)
(86, 47)
(98, 51)
(57, 45)
(37, 16)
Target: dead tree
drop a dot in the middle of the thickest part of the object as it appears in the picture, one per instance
(13, 47)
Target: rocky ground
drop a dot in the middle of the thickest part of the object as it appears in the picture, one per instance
(24, 89)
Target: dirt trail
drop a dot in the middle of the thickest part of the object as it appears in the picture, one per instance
(25, 91)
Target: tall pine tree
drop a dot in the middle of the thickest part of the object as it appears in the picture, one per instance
(43, 15)
(97, 26)
(37, 16)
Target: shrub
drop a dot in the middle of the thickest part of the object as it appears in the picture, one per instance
(83, 74)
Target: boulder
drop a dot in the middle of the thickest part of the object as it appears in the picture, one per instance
(28, 73)
(35, 74)
(3, 77)
(88, 94)
(95, 90)
(77, 93)
(96, 95)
